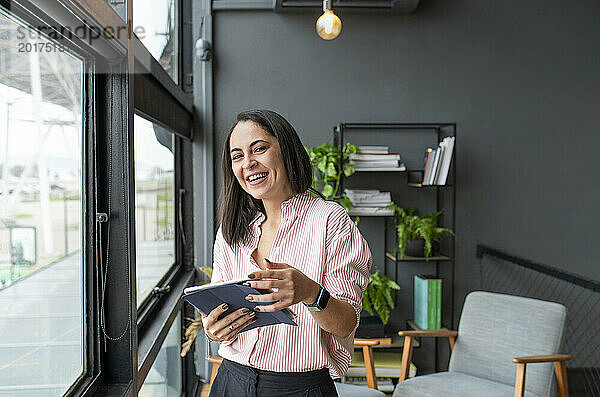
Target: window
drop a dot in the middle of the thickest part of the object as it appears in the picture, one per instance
(156, 25)
(165, 377)
(41, 229)
(154, 204)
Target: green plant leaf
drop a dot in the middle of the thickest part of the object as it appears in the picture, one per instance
(327, 191)
(367, 303)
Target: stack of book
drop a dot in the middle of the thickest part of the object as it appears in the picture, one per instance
(376, 158)
(387, 367)
(437, 162)
(369, 202)
(428, 302)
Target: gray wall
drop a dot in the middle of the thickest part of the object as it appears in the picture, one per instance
(519, 78)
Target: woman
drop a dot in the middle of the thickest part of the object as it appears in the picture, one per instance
(307, 249)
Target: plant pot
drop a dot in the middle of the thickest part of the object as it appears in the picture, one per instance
(370, 327)
(415, 248)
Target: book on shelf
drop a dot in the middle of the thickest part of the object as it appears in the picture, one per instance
(375, 157)
(374, 163)
(448, 143)
(437, 162)
(369, 202)
(380, 167)
(370, 149)
(427, 301)
(368, 196)
(366, 211)
(426, 165)
(435, 165)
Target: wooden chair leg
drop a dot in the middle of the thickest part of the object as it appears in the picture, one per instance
(406, 358)
(560, 370)
(370, 367)
(520, 381)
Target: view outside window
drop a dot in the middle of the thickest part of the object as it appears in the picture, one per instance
(154, 204)
(165, 377)
(41, 266)
(156, 25)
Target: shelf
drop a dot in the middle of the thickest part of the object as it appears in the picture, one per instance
(412, 325)
(376, 169)
(411, 184)
(407, 258)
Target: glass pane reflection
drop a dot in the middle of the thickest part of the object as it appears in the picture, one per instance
(165, 376)
(156, 24)
(41, 266)
(154, 209)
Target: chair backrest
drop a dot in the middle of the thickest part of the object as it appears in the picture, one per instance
(494, 328)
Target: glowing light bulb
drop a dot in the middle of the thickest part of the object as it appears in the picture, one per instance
(329, 25)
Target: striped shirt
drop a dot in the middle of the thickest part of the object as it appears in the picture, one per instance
(318, 238)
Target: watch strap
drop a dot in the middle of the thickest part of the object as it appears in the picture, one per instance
(321, 302)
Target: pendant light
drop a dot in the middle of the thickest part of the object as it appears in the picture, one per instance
(329, 25)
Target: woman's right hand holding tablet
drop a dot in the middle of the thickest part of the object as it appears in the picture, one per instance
(228, 327)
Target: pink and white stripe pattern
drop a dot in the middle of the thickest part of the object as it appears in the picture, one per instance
(318, 238)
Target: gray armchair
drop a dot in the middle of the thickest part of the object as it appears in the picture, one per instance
(498, 335)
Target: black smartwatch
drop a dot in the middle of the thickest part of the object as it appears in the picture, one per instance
(321, 302)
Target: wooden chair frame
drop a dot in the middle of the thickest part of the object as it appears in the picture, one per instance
(559, 360)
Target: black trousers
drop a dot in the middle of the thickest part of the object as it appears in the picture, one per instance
(236, 380)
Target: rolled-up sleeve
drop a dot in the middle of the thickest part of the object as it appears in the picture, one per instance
(221, 269)
(348, 261)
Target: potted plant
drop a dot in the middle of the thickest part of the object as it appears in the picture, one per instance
(416, 234)
(195, 324)
(378, 297)
(325, 160)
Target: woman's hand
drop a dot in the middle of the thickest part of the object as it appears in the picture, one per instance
(228, 327)
(291, 284)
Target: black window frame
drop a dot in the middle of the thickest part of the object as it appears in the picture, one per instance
(116, 368)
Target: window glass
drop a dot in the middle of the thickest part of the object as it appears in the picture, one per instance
(154, 204)
(41, 232)
(156, 25)
(165, 376)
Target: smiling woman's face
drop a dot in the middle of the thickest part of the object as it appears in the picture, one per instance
(257, 162)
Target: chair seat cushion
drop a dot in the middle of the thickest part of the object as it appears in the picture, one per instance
(348, 390)
(449, 384)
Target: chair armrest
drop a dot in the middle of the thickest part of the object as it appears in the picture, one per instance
(560, 371)
(542, 359)
(436, 333)
(365, 342)
(367, 347)
(407, 349)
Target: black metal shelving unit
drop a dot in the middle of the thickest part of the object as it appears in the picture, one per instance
(414, 177)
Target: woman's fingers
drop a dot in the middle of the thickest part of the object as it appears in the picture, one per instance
(272, 308)
(217, 311)
(239, 325)
(273, 297)
(224, 326)
(266, 284)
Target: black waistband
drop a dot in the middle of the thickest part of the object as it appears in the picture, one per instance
(308, 378)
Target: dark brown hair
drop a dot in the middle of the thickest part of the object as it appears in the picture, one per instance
(238, 208)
